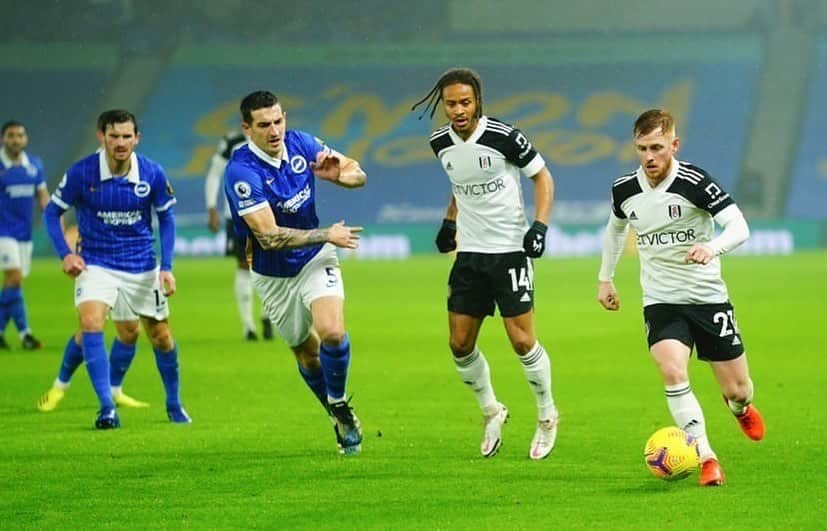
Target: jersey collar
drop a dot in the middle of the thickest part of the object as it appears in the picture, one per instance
(664, 184)
(7, 162)
(272, 161)
(481, 124)
(134, 176)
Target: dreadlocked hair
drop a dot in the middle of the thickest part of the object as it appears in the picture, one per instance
(464, 76)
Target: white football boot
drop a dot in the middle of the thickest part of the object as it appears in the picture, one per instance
(492, 429)
(543, 442)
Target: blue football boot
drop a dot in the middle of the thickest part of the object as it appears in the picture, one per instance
(348, 429)
(107, 419)
(177, 415)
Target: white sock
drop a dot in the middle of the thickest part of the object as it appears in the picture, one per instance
(738, 408)
(537, 368)
(473, 369)
(687, 413)
(244, 298)
(60, 384)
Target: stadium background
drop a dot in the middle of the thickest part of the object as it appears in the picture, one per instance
(747, 81)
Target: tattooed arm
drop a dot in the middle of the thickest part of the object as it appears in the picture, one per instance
(270, 236)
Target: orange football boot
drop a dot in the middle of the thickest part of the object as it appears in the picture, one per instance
(751, 423)
(712, 475)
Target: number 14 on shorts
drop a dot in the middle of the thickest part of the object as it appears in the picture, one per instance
(522, 278)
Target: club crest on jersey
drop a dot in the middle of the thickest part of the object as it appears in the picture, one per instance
(485, 163)
(298, 164)
(674, 211)
(142, 188)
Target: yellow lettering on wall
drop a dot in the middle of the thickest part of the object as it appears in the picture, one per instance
(403, 151)
(358, 150)
(573, 148)
(215, 123)
(600, 108)
(379, 119)
(197, 165)
(530, 109)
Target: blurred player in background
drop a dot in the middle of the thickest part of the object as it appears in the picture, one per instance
(114, 192)
(21, 182)
(235, 246)
(483, 158)
(673, 207)
(270, 186)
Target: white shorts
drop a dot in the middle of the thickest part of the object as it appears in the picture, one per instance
(129, 294)
(122, 312)
(287, 300)
(15, 255)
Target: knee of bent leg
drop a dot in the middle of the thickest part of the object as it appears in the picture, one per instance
(523, 343)
(333, 335)
(673, 372)
(737, 390)
(128, 332)
(13, 278)
(160, 336)
(90, 322)
(461, 344)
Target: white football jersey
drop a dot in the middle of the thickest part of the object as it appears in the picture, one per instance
(669, 219)
(485, 180)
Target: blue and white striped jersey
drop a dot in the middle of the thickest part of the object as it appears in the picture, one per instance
(18, 188)
(114, 214)
(254, 180)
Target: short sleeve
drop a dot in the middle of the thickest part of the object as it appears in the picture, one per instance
(244, 189)
(163, 196)
(68, 189)
(519, 151)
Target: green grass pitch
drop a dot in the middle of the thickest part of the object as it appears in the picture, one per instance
(261, 452)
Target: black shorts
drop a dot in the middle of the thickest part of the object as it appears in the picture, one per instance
(235, 246)
(480, 280)
(711, 328)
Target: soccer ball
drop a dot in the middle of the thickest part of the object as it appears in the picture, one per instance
(671, 454)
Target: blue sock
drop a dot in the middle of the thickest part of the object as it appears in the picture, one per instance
(72, 358)
(97, 364)
(4, 311)
(16, 307)
(120, 358)
(167, 363)
(315, 381)
(335, 361)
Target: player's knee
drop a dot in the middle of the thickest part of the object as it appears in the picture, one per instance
(308, 360)
(91, 323)
(161, 337)
(12, 278)
(522, 345)
(127, 332)
(673, 373)
(333, 335)
(737, 391)
(128, 337)
(460, 345)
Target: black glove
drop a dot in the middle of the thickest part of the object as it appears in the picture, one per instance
(534, 241)
(446, 238)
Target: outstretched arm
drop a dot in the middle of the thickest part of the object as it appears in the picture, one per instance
(332, 166)
(270, 236)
